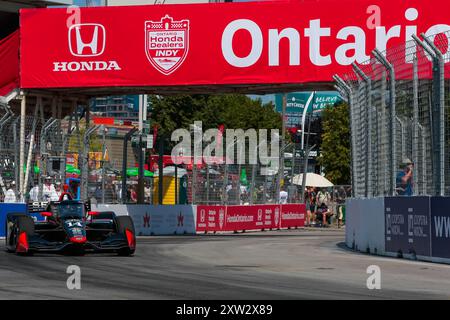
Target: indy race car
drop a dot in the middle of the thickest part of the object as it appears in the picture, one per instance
(69, 227)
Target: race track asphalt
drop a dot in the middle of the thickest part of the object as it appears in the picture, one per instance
(290, 264)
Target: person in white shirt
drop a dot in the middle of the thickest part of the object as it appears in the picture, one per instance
(10, 196)
(283, 196)
(147, 192)
(49, 189)
(34, 193)
(57, 193)
(119, 192)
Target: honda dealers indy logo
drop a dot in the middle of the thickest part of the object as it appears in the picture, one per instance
(166, 43)
(86, 40)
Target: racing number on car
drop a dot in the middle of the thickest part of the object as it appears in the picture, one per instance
(71, 224)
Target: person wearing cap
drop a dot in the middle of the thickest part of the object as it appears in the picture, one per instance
(404, 180)
(48, 189)
(10, 196)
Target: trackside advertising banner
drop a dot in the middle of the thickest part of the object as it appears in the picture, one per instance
(249, 217)
(216, 44)
(210, 218)
(252, 217)
(440, 227)
(293, 215)
(408, 227)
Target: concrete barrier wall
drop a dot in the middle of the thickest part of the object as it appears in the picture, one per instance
(156, 220)
(365, 225)
(410, 227)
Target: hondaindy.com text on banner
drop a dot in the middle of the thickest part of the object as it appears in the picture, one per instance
(252, 217)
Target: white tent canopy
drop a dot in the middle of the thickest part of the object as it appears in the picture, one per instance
(313, 180)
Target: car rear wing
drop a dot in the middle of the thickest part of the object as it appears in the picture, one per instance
(37, 206)
(42, 206)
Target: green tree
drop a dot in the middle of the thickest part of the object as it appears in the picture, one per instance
(95, 145)
(231, 110)
(335, 150)
(234, 111)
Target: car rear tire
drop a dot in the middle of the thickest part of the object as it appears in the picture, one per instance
(122, 224)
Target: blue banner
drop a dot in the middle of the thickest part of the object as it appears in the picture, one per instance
(408, 227)
(440, 227)
(6, 208)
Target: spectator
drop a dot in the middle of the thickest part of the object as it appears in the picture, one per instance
(340, 215)
(133, 194)
(260, 194)
(57, 193)
(233, 194)
(10, 196)
(243, 194)
(48, 189)
(34, 193)
(98, 193)
(308, 203)
(109, 193)
(283, 196)
(147, 192)
(313, 199)
(324, 214)
(404, 180)
(119, 191)
(323, 197)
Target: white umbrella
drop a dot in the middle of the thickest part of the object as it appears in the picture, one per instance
(170, 171)
(313, 180)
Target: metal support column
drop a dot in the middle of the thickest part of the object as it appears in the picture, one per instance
(415, 127)
(438, 119)
(124, 163)
(344, 87)
(23, 109)
(437, 123)
(392, 128)
(369, 145)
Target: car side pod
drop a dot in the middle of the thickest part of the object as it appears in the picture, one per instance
(131, 239)
(78, 239)
(22, 243)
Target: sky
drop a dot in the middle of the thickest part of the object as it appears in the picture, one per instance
(82, 3)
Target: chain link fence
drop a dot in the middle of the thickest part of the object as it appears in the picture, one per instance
(91, 162)
(399, 103)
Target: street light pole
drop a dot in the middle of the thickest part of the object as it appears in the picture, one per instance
(103, 162)
(305, 111)
(305, 168)
(281, 164)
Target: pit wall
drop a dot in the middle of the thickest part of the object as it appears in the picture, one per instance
(410, 227)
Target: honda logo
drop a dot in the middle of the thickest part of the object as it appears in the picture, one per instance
(87, 39)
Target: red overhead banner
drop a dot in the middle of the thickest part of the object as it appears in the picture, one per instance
(9, 63)
(215, 44)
